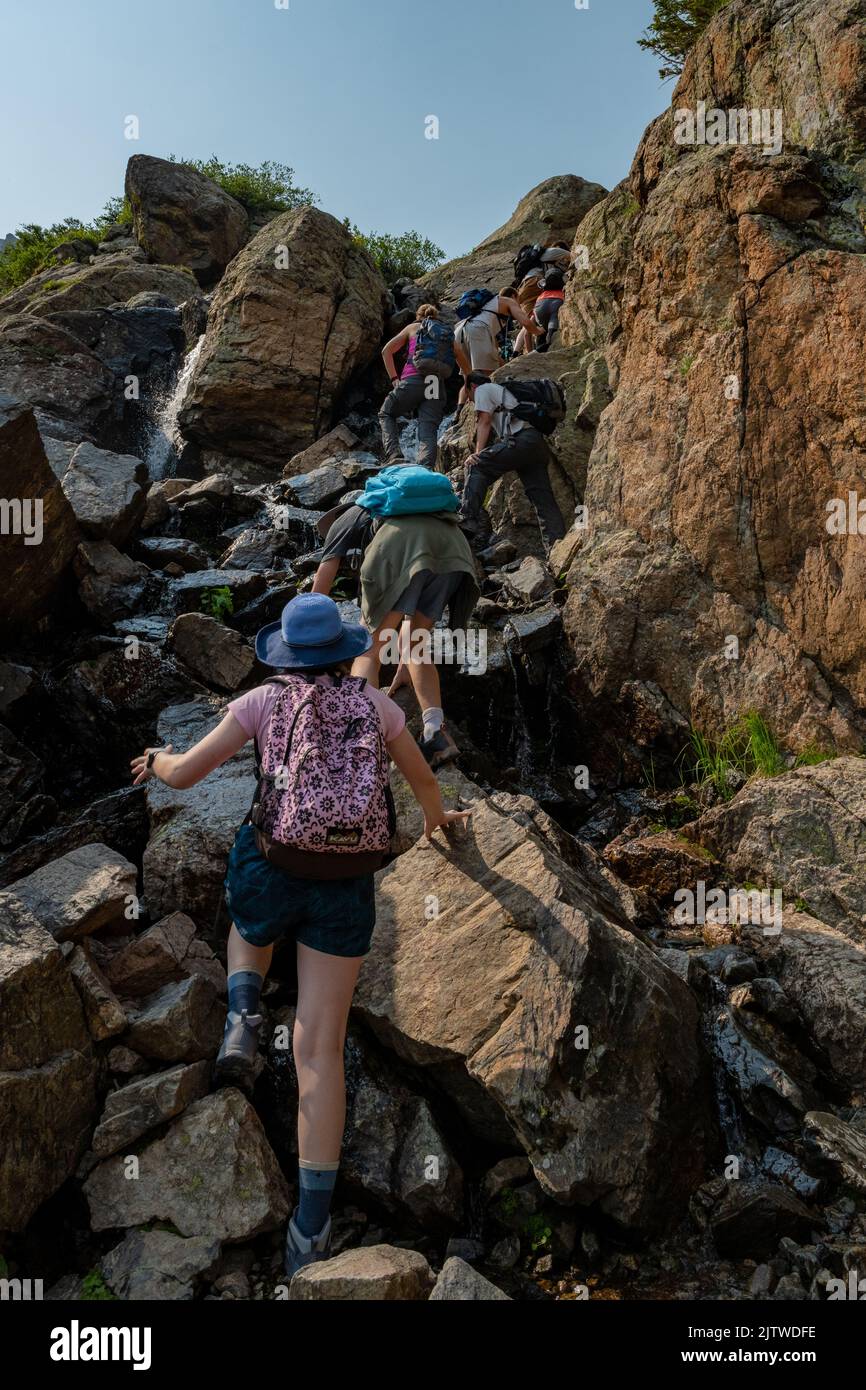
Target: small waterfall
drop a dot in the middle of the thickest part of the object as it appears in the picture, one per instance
(164, 439)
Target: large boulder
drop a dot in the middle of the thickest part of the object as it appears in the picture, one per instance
(166, 952)
(550, 212)
(501, 971)
(110, 585)
(105, 492)
(180, 1022)
(803, 832)
(83, 891)
(298, 312)
(458, 1282)
(193, 830)
(823, 974)
(212, 1174)
(215, 653)
(181, 217)
(713, 467)
(128, 340)
(47, 1068)
(374, 1273)
(33, 558)
(146, 1103)
(70, 389)
(156, 1265)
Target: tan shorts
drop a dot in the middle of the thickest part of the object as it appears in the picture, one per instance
(475, 340)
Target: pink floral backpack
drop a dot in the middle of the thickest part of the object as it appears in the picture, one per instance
(323, 807)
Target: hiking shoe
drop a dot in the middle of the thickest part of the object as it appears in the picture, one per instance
(439, 749)
(235, 1063)
(476, 534)
(304, 1250)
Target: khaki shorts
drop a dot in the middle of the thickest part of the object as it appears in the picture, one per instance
(475, 339)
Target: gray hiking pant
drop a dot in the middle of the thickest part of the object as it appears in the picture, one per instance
(526, 454)
(411, 395)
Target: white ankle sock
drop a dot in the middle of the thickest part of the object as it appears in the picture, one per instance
(433, 720)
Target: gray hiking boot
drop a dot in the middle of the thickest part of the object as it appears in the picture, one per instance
(235, 1063)
(304, 1250)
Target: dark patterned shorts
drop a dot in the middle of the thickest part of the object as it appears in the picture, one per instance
(336, 916)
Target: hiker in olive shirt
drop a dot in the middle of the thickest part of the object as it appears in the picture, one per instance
(412, 568)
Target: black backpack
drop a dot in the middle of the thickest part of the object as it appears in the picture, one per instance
(540, 403)
(553, 280)
(526, 259)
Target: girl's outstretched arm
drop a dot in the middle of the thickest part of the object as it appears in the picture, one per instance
(410, 760)
(183, 770)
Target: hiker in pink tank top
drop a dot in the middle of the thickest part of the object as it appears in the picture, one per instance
(420, 390)
(324, 744)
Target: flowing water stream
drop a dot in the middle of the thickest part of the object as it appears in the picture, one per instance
(164, 440)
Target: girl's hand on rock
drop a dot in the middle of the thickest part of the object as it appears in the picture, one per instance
(449, 818)
(140, 770)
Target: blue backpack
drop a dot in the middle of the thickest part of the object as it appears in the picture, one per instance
(407, 490)
(434, 349)
(473, 301)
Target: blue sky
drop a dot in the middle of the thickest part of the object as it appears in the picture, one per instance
(338, 89)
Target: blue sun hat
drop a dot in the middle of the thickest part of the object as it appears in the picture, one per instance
(310, 633)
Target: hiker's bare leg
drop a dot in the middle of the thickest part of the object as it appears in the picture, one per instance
(325, 988)
(369, 663)
(242, 956)
(402, 677)
(423, 673)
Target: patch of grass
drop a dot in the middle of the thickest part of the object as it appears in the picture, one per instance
(760, 743)
(218, 603)
(686, 363)
(748, 749)
(813, 754)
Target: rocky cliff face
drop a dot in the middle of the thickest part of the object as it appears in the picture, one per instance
(731, 286)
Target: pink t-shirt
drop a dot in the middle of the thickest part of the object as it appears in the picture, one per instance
(253, 710)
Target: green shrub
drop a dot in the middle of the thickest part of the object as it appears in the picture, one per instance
(675, 26)
(218, 602)
(94, 1288)
(267, 187)
(398, 257)
(116, 210)
(33, 246)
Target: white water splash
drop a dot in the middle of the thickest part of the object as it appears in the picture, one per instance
(165, 441)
